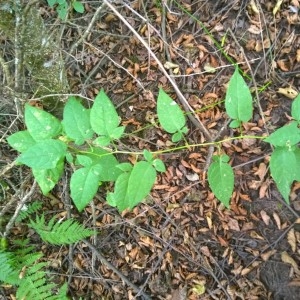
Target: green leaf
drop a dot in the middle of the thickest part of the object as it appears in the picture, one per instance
(221, 179)
(288, 135)
(102, 141)
(235, 124)
(159, 165)
(169, 113)
(62, 10)
(297, 167)
(284, 167)
(76, 121)
(117, 133)
(132, 187)
(69, 157)
(21, 140)
(238, 100)
(176, 137)
(115, 199)
(296, 108)
(104, 118)
(125, 167)
(51, 3)
(84, 160)
(44, 154)
(84, 185)
(78, 6)
(48, 178)
(109, 172)
(148, 155)
(40, 124)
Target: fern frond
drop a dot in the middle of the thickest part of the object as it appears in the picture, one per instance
(34, 285)
(60, 233)
(7, 271)
(31, 208)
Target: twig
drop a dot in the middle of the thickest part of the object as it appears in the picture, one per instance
(193, 116)
(116, 271)
(17, 211)
(75, 45)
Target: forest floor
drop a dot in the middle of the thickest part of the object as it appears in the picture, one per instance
(181, 242)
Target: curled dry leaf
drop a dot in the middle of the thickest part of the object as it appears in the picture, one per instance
(288, 92)
(289, 260)
(292, 239)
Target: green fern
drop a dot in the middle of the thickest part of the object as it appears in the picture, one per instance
(60, 233)
(31, 208)
(28, 275)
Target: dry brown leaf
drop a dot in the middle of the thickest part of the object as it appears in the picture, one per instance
(277, 220)
(288, 92)
(233, 224)
(289, 260)
(261, 171)
(265, 217)
(291, 237)
(267, 255)
(298, 55)
(283, 65)
(254, 29)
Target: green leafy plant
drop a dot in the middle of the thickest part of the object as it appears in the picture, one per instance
(86, 139)
(62, 7)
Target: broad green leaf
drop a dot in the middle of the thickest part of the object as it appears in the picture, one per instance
(76, 121)
(40, 124)
(84, 160)
(104, 118)
(176, 137)
(288, 135)
(159, 165)
(238, 100)
(296, 108)
(51, 2)
(284, 167)
(84, 185)
(21, 140)
(235, 124)
(43, 155)
(221, 179)
(62, 10)
(140, 183)
(69, 157)
(148, 155)
(102, 141)
(125, 167)
(169, 113)
(109, 172)
(78, 6)
(115, 199)
(297, 168)
(117, 133)
(132, 187)
(48, 178)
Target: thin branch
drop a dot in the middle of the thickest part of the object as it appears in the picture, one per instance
(18, 208)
